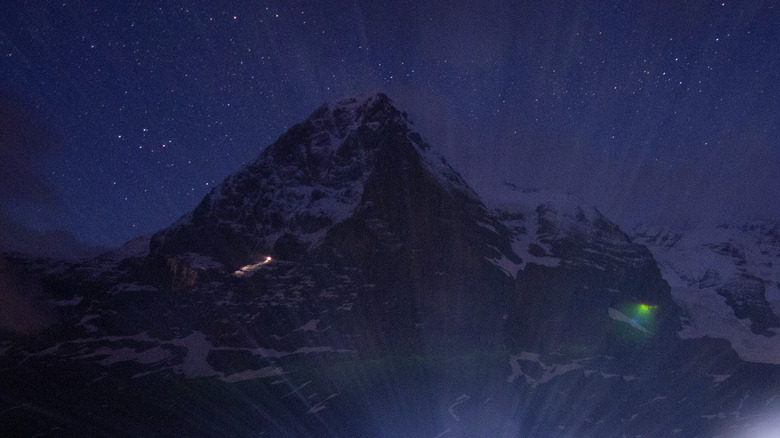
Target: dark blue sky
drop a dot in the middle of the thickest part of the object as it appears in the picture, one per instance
(116, 120)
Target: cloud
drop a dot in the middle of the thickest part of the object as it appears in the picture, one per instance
(23, 306)
(57, 244)
(26, 139)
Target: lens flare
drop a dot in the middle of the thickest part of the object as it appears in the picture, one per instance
(639, 316)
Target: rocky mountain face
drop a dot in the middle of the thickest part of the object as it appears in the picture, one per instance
(349, 282)
(356, 188)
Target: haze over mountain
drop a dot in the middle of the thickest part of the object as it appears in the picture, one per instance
(17, 237)
(349, 282)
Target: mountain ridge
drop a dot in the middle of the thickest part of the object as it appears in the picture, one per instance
(311, 178)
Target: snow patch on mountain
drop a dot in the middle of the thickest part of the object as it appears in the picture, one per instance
(548, 371)
(463, 398)
(519, 210)
(538, 220)
(620, 316)
(524, 232)
(161, 355)
(506, 265)
(133, 248)
(71, 302)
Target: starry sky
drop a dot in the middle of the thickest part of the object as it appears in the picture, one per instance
(116, 118)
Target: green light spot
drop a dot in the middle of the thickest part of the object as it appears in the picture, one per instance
(645, 309)
(641, 317)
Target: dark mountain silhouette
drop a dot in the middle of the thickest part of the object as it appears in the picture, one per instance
(349, 282)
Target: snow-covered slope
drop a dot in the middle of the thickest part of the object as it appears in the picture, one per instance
(727, 278)
(538, 218)
(582, 265)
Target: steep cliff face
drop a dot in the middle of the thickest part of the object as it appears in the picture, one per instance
(585, 287)
(312, 178)
(355, 186)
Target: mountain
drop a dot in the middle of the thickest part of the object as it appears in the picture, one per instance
(726, 278)
(356, 188)
(349, 282)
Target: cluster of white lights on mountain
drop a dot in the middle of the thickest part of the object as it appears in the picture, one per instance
(250, 269)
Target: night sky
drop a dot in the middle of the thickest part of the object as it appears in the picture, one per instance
(117, 119)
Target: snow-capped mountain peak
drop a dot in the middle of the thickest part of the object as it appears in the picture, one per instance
(312, 178)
